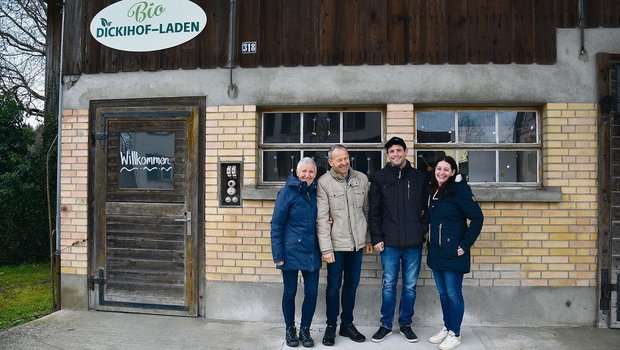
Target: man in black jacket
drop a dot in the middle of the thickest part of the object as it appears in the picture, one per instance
(397, 201)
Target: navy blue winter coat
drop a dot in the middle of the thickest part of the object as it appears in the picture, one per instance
(449, 229)
(293, 227)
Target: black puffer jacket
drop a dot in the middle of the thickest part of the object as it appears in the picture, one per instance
(397, 201)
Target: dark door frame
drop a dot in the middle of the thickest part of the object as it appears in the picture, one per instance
(607, 102)
(199, 103)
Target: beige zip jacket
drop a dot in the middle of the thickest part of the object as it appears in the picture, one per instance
(346, 202)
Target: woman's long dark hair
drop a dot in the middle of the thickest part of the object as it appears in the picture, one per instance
(434, 185)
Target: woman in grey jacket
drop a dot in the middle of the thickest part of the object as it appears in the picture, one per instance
(451, 205)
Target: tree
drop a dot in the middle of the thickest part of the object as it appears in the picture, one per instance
(24, 230)
(23, 25)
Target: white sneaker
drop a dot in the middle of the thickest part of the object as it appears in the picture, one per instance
(451, 342)
(439, 337)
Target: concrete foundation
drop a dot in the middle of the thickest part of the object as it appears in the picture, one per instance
(484, 306)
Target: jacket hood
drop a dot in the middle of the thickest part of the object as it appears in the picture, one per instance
(298, 185)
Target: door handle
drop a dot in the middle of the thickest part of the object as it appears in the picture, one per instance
(187, 218)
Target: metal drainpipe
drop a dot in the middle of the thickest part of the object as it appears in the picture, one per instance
(583, 54)
(59, 140)
(233, 91)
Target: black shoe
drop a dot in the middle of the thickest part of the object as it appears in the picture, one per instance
(381, 334)
(407, 332)
(351, 332)
(330, 336)
(305, 338)
(291, 337)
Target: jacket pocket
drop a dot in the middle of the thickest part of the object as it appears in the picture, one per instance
(337, 200)
(360, 195)
(447, 241)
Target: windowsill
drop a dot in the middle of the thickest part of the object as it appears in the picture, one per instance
(483, 194)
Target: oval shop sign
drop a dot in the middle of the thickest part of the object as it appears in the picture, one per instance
(139, 26)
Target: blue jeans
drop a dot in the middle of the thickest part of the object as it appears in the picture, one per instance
(349, 266)
(450, 287)
(311, 290)
(391, 259)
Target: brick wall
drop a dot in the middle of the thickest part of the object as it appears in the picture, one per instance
(522, 244)
(73, 192)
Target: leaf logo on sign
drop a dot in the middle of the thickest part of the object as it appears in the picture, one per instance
(140, 26)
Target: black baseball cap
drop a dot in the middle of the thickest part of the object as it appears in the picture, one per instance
(395, 141)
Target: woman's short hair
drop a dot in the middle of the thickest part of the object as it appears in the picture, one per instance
(306, 160)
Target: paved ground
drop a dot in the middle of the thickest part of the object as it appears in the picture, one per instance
(80, 330)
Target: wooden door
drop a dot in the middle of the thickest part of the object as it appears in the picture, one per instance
(145, 191)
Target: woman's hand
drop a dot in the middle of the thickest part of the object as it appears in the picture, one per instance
(279, 263)
(378, 247)
(329, 257)
(460, 251)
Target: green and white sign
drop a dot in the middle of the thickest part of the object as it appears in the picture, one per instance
(139, 26)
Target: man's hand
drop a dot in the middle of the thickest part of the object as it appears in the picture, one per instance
(279, 263)
(460, 251)
(379, 247)
(329, 257)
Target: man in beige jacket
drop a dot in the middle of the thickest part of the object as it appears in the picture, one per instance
(342, 195)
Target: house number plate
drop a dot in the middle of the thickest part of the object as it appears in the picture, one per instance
(248, 47)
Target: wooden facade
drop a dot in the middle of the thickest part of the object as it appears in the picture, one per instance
(349, 32)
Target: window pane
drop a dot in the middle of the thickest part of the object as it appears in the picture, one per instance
(518, 166)
(320, 158)
(277, 165)
(517, 127)
(477, 166)
(426, 160)
(322, 127)
(476, 127)
(281, 128)
(367, 162)
(361, 127)
(435, 127)
(147, 160)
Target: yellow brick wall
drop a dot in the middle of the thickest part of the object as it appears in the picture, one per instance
(522, 244)
(73, 192)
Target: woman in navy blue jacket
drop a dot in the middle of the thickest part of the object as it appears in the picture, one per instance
(295, 248)
(450, 206)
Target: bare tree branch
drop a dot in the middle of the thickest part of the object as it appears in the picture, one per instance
(23, 24)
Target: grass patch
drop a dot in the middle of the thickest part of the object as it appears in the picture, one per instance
(25, 293)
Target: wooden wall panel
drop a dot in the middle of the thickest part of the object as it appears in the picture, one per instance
(544, 19)
(329, 52)
(458, 43)
(592, 13)
(479, 50)
(501, 28)
(271, 33)
(347, 12)
(373, 16)
(349, 32)
(436, 32)
(610, 16)
(248, 19)
(417, 29)
(74, 37)
(92, 49)
(523, 44)
(567, 14)
(398, 40)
